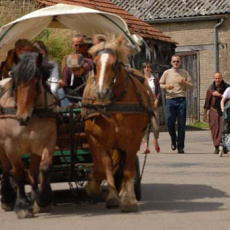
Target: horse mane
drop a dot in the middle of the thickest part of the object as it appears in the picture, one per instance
(110, 42)
(25, 70)
(31, 64)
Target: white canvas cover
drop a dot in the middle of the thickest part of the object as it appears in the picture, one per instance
(85, 20)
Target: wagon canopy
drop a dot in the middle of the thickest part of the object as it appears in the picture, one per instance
(85, 20)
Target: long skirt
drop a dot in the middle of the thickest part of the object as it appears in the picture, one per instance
(215, 125)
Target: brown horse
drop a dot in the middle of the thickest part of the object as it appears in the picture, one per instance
(26, 126)
(116, 107)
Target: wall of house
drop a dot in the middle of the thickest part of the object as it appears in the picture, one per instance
(199, 37)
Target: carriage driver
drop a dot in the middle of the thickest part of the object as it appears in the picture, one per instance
(75, 75)
(79, 47)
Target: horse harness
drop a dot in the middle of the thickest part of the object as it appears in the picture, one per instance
(114, 105)
(10, 112)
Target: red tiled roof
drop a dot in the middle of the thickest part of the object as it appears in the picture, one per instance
(136, 26)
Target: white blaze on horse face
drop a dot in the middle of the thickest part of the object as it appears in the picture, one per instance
(104, 58)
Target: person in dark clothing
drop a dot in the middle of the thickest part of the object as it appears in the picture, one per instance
(75, 75)
(212, 104)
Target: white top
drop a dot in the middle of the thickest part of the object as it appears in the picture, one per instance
(54, 77)
(226, 93)
(152, 84)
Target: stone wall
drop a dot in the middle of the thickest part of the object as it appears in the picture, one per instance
(12, 9)
(199, 37)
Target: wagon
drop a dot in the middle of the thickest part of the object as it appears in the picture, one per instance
(72, 159)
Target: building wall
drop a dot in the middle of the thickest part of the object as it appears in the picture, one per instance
(199, 36)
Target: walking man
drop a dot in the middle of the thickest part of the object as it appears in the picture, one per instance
(175, 82)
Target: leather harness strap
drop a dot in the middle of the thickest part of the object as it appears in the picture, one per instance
(10, 112)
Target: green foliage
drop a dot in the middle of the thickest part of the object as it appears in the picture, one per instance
(201, 125)
(58, 43)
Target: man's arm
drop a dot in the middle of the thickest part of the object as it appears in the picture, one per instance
(163, 84)
(188, 82)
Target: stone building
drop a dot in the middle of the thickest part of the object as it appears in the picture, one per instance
(202, 30)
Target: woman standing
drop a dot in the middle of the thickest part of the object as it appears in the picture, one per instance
(212, 104)
(155, 87)
(54, 76)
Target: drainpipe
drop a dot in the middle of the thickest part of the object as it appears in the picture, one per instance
(216, 43)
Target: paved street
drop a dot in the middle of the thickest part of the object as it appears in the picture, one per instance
(179, 191)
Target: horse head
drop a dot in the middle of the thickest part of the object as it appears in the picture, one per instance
(26, 85)
(108, 56)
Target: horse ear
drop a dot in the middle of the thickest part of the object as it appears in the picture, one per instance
(120, 39)
(98, 38)
(95, 39)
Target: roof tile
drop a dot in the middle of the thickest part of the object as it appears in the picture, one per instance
(163, 9)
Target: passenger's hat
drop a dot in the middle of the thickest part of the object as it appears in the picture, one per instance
(75, 60)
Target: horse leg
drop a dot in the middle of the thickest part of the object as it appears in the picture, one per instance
(43, 197)
(7, 191)
(23, 207)
(100, 146)
(102, 170)
(33, 174)
(93, 187)
(128, 202)
(112, 199)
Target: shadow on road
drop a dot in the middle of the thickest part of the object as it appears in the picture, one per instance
(155, 197)
(180, 198)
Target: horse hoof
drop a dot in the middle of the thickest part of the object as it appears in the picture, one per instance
(25, 213)
(93, 189)
(7, 207)
(112, 203)
(39, 209)
(128, 205)
(129, 208)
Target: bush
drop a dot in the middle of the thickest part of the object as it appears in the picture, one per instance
(58, 43)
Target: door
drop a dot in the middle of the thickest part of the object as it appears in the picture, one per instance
(190, 63)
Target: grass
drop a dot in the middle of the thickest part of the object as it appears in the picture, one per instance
(200, 125)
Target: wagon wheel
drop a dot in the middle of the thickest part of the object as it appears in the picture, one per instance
(221, 151)
(137, 180)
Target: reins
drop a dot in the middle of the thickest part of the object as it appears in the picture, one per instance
(115, 106)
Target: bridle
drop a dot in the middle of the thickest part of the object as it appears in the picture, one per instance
(116, 66)
(38, 83)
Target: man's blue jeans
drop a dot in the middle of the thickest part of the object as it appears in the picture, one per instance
(176, 111)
